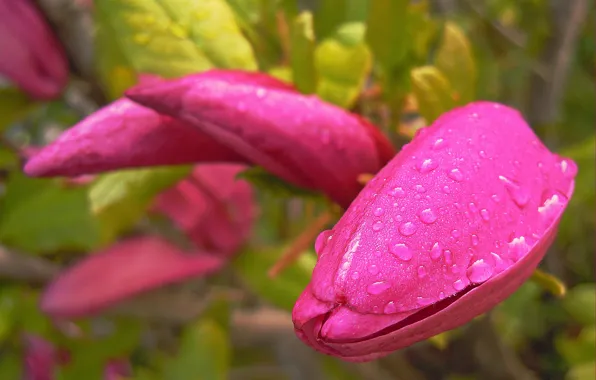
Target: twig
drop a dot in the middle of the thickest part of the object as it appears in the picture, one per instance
(20, 267)
(301, 243)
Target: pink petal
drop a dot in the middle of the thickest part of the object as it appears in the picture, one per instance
(213, 208)
(31, 55)
(121, 271)
(299, 138)
(125, 135)
(40, 358)
(448, 229)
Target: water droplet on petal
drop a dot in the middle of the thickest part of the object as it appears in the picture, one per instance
(424, 301)
(428, 216)
(520, 195)
(401, 251)
(322, 240)
(420, 188)
(484, 214)
(568, 168)
(427, 165)
(373, 269)
(456, 234)
(398, 192)
(475, 240)
(454, 268)
(378, 211)
(377, 226)
(473, 208)
(495, 198)
(261, 92)
(448, 257)
(446, 189)
(355, 276)
(518, 248)
(407, 228)
(455, 175)
(459, 285)
(436, 251)
(479, 271)
(482, 154)
(439, 144)
(441, 295)
(378, 287)
(390, 308)
(421, 271)
(551, 208)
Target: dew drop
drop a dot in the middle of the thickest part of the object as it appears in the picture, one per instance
(378, 211)
(428, 216)
(407, 228)
(479, 271)
(474, 240)
(456, 175)
(441, 296)
(439, 144)
(456, 234)
(377, 226)
(401, 251)
(398, 192)
(518, 247)
(421, 271)
(436, 251)
(459, 285)
(420, 188)
(322, 240)
(446, 189)
(484, 214)
(454, 268)
(355, 276)
(473, 208)
(373, 269)
(424, 301)
(417, 196)
(551, 208)
(495, 198)
(399, 218)
(519, 195)
(390, 308)
(482, 154)
(568, 168)
(377, 287)
(427, 165)
(448, 257)
(261, 92)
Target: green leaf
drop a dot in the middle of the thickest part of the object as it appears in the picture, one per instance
(583, 371)
(302, 53)
(119, 199)
(385, 31)
(40, 216)
(8, 305)
(167, 38)
(273, 185)
(579, 303)
(14, 104)
(343, 63)
(283, 290)
(432, 91)
(329, 14)
(455, 59)
(11, 365)
(204, 354)
(578, 349)
(282, 73)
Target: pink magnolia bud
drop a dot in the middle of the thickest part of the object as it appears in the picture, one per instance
(299, 138)
(41, 358)
(215, 210)
(121, 271)
(452, 226)
(30, 55)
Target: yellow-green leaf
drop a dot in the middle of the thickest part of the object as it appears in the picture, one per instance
(343, 62)
(432, 91)
(329, 14)
(40, 216)
(119, 199)
(386, 30)
(549, 283)
(13, 104)
(168, 38)
(455, 59)
(302, 53)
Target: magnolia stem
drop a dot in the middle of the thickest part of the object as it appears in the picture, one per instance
(300, 244)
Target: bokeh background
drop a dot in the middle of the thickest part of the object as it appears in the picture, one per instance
(423, 58)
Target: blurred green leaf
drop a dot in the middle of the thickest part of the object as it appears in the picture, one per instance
(120, 198)
(11, 365)
(302, 53)
(40, 216)
(204, 354)
(580, 303)
(7, 313)
(166, 38)
(343, 63)
(328, 15)
(454, 58)
(283, 290)
(585, 371)
(14, 104)
(282, 73)
(578, 349)
(274, 186)
(386, 28)
(334, 369)
(432, 92)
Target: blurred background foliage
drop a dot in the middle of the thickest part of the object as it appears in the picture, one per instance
(400, 63)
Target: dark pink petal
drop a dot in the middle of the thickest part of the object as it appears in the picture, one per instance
(31, 55)
(117, 369)
(448, 229)
(299, 138)
(122, 271)
(214, 209)
(40, 358)
(125, 135)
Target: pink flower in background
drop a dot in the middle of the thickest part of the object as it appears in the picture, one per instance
(299, 138)
(30, 55)
(214, 210)
(41, 358)
(453, 225)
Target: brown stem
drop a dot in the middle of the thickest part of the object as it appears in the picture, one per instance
(21, 267)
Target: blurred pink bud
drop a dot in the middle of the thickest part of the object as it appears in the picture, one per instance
(30, 55)
(40, 358)
(117, 369)
(215, 210)
(452, 226)
(299, 138)
(121, 271)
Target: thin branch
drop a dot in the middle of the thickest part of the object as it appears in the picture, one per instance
(20, 267)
